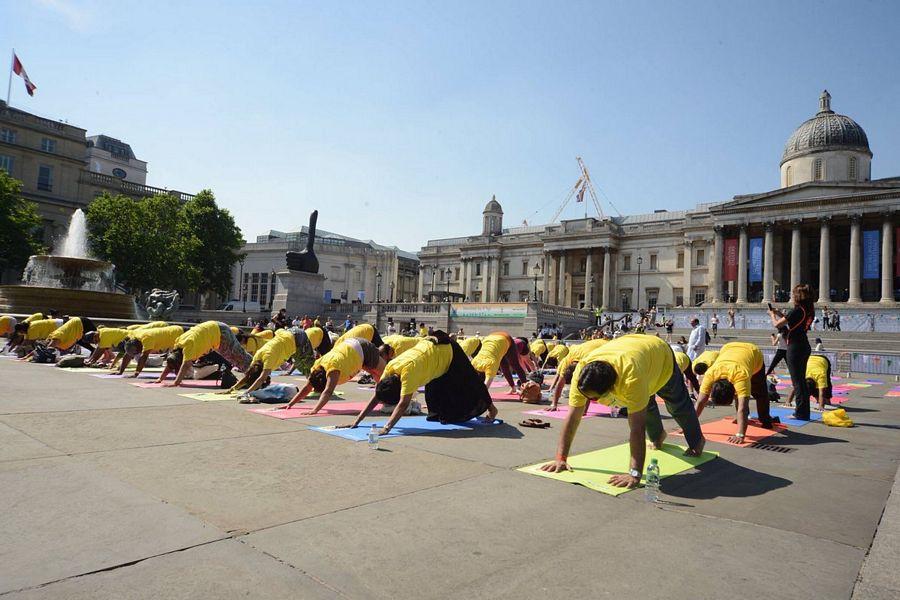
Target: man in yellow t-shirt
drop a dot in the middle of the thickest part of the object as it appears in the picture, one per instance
(105, 339)
(286, 344)
(818, 380)
(629, 372)
(395, 345)
(147, 341)
(704, 361)
(363, 332)
(538, 349)
(71, 333)
(199, 340)
(453, 389)
(555, 355)
(737, 375)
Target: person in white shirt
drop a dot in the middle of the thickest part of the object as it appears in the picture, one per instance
(697, 341)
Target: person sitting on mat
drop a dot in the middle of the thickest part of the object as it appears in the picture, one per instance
(555, 355)
(470, 345)
(684, 363)
(395, 345)
(31, 333)
(209, 336)
(818, 380)
(339, 366)
(500, 352)
(628, 372)
(362, 332)
(144, 342)
(454, 391)
(737, 375)
(285, 345)
(105, 339)
(566, 368)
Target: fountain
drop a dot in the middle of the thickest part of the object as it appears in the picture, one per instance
(69, 281)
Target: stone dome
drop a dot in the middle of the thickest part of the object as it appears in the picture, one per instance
(493, 206)
(826, 131)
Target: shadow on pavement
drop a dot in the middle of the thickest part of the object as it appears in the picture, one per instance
(721, 478)
(792, 437)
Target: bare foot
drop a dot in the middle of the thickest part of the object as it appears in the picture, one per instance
(492, 412)
(697, 450)
(658, 444)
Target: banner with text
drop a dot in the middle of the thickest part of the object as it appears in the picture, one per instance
(730, 260)
(871, 251)
(756, 260)
(495, 310)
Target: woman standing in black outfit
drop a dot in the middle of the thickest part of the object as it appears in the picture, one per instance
(797, 322)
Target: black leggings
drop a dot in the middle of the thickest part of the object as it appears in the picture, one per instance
(779, 356)
(796, 359)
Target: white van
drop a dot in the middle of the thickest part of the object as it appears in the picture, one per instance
(241, 306)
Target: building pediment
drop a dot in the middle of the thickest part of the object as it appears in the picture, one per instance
(811, 193)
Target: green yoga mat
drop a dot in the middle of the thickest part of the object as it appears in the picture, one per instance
(593, 469)
(213, 397)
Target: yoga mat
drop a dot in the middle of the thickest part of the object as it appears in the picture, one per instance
(785, 413)
(338, 408)
(721, 430)
(187, 383)
(498, 397)
(593, 410)
(143, 375)
(101, 370)
(593, 469)
(406, 426)
(210, 396)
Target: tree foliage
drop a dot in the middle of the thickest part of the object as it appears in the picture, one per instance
(162, 242)
(19, 225)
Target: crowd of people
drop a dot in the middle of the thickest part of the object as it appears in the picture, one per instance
(621, 363)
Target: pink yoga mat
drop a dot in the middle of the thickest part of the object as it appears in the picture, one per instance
(188, 383)
(593, 410)
(141, 376)
(330, 409)
(498, 397)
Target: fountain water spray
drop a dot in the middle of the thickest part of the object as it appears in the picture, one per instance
(75, 244)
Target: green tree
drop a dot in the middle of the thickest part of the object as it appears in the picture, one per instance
(216, 242)
(19, 225)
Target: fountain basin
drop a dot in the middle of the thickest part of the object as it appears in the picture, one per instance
(25, 299)
(73, 273)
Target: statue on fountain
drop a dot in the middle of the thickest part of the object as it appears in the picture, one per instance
(160, 304)
(305, 260)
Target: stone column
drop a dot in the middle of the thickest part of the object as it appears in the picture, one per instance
(607, 265)
(742, 265)
(552, 272)
(887, 259)
(715, 278)
(686, 284)
(855, 251)
(421, 288)
(485, 279)
(769, 264)
(495, 282)
(795, 253)
(824, 261)
(546, 271)
(588, 273)
(470, 264)
(561, 286)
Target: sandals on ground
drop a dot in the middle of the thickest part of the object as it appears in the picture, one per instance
(535, 423)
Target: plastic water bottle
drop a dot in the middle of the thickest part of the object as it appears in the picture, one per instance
(651, 486)
(373, 438)
(614, 411)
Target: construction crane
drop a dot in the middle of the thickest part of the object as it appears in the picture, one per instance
(582, 185)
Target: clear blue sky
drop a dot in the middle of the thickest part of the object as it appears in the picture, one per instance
(399, 120)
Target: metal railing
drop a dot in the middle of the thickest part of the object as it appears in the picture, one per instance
(128, 187)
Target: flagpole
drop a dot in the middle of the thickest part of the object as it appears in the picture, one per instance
(12, 60)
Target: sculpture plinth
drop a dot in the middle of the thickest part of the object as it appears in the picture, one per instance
(299, 293)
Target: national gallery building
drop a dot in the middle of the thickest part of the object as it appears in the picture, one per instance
(829, 225)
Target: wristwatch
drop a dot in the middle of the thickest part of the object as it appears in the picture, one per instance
(635, 473)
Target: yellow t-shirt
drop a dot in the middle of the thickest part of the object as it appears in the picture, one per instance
(470, 345)
(111, 336)
(538, 347)
(558, 352)
(41, 329)
(682, 360)
(69, 333)
(364, 331)
(578, 352)
(255, 341)
(199, 339)
(493, 347)
(421, 364)
(35, 317)
(157, 339)
(401, 343)
(277, 350)
(643, 365)
(342, 358)
(423, 331)
(315, 336)
(707, 357)
(150, 325)
(737, 362)
(817, 370)
(7, 324)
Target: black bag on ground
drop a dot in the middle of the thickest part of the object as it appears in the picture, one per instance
(226, 378)
(42, 354)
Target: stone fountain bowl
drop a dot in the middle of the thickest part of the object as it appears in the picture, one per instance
(69, 272)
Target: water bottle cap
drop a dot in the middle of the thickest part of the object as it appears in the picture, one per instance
(653, 461)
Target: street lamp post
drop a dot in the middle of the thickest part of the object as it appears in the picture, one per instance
(535, 270)
(434, 270)
(241, 286)
(640, 260)
(448, 273)
(392, 291)
(592, 281)
(377, 286)
(272, 289)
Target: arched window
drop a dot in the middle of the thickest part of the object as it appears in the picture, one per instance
(788, 177)
(817, 170)
(852, 168)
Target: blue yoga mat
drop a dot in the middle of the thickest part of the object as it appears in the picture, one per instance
(785, 415)
(406, 426)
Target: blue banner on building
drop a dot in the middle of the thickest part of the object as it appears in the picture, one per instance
(756, 259)
(871, 254)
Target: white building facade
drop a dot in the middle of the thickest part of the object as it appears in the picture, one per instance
(109, 156)
(829, 225)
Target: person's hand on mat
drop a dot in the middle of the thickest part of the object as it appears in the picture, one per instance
(556, 466)
(384, 431)
(350, 426)
(308, 412)
(624, 480)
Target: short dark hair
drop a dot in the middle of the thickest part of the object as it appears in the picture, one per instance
(133, 347)
(386, 351)
(175, 358)
(318, 379)
(91, 336)
(597, 377)
(695, 321)
(722, 392)
(700, 368)
(569, 371)
(811, 386)
(388, 390)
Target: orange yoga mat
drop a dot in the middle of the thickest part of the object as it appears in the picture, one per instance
(721, 430)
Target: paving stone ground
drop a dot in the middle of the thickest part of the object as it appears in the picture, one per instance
(112, 491)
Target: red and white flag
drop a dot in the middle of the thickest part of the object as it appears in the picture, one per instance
(19, 70)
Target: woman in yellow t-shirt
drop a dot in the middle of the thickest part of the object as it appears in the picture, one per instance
(500, 352)
(453, 389)
(362, 332)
